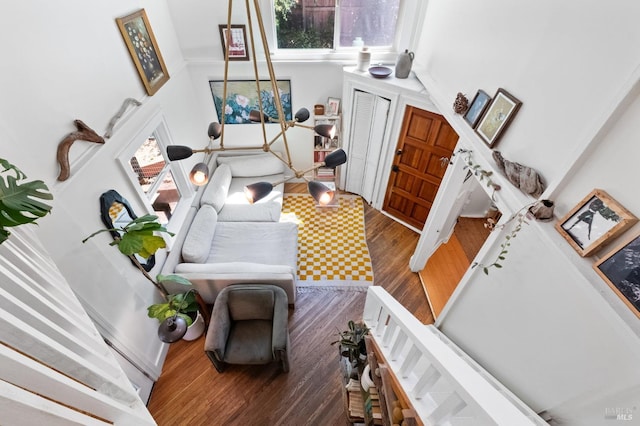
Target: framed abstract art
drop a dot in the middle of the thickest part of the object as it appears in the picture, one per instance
(143, 48)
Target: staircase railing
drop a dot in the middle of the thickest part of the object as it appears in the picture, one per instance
(442, 383)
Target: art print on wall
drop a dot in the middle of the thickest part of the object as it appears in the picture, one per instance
(478, 106)
(621, 271)
(143, 48)
(236, 40)
(242, 97)
(594, 222)
(498, 117)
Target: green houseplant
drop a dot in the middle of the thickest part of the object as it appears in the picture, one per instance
(20, 202)
(352, 344)
(184, 305)
(138, 237)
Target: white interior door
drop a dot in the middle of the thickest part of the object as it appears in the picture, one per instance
(368, 125)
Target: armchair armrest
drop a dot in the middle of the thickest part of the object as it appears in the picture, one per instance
(216, 341)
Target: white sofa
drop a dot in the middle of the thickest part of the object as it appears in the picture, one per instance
(225, 240)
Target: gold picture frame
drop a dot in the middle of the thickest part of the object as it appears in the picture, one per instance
(143, 48)
(594, 222)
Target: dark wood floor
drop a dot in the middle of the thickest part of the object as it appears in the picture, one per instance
(191, 392)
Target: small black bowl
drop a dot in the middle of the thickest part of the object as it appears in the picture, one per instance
(380, 72)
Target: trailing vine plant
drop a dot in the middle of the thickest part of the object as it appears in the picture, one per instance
(20, 202)
(520, 217)
(479, 172)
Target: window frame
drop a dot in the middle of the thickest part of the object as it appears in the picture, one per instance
(158, 127)
(410, 14)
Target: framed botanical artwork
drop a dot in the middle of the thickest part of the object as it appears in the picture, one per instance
(333, 106)
(242, 98)
(143, 48)
(478, 106)
(621, 271)
(236, 41)
(497, 117)
(594, 222)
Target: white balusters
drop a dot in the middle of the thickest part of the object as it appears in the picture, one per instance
(443, 384)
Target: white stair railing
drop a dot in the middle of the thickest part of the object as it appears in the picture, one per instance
(443, 384)
(55, 369)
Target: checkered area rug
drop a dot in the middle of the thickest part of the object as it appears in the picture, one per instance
(332, 246)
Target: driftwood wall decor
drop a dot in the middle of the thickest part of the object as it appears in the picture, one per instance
(84, 133)
(119, 114)
(523, 177)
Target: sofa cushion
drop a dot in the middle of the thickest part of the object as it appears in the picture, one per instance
(268, 243)
(197, 244)
(215, 194)
(253, 165)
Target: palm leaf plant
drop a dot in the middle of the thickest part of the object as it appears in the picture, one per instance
(20, 202)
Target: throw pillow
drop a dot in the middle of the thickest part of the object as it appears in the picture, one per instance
(197, 244)
(215, 194)
(253, 165)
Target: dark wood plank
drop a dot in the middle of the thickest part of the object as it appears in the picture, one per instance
(191, 392)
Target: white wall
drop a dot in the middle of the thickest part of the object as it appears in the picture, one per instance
(546, 325)
(66, 63)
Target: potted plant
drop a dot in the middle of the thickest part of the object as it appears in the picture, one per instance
(180, 305)
(179, 311)
(352, 343)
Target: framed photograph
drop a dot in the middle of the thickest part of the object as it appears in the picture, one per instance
(497, 117)
(242, 97)
(333, 106)
(236, 41)
(143, 48)
(594, 222)
(478, 106)
(621, 270)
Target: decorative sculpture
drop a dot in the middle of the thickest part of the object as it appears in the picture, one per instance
(461, 104)
(525, 178)
(84, 133)
(118, 115)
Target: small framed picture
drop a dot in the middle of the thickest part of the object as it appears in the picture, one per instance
(478, 106)
(333, 106)
(236, 40)
(621, 271)
(497, 117)
(596, 220)
(143, 48)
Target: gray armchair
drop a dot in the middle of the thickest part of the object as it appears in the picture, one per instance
(249, 325)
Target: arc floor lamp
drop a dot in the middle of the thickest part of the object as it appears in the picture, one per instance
(200, 173)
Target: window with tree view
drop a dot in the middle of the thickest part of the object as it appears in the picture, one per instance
(320, 24)
(156, 179)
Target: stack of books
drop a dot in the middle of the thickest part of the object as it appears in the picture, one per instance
(324, 172)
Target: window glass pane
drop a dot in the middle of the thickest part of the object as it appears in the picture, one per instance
(147, 163)
(309, 24)
(305, 24)
(167, 198)
(372, 21)
(155, 178)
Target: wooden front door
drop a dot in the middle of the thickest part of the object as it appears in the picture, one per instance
(424, 148)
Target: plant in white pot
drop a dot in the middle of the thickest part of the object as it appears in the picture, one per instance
(179, 314)
(139, 238)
